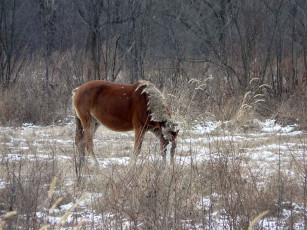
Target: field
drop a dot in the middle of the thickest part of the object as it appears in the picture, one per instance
(224, 176)
(232, 73)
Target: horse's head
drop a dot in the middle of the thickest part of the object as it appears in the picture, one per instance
(169, 132)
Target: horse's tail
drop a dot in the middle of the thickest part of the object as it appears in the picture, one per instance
(74, 91)
(72, 97)
(79, 134)
(79, 130)
(79, 154)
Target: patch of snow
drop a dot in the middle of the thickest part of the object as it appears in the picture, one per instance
(270, 126)
(105, 162)
(64, 141)
(31, 157)
(206, 127)
(66, 207)
(168, 152)
(2, 183)
(13, 156)
(69, 183)
(27, 125)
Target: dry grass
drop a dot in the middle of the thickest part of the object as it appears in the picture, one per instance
(229, 187)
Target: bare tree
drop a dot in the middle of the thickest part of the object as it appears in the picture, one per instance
(12, 44)
(91, 13)
(47, 15)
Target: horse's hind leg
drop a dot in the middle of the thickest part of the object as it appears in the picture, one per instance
(139, 133)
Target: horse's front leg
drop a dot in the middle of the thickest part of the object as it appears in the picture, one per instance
(138, 140)
(165, 149)
(163, 144)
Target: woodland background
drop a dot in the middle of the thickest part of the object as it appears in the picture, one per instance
(212, 56)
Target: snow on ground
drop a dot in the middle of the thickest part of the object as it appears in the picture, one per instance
(270, 142)
(16, 141)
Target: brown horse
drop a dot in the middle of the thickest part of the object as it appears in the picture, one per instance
(140, 107)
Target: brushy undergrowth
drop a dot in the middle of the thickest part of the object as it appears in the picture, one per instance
(30, 100)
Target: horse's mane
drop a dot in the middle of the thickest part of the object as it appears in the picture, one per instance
(156, 102)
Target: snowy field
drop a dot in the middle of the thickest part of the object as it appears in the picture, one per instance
(270, 158)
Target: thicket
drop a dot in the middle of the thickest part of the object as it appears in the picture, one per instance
(223, 59)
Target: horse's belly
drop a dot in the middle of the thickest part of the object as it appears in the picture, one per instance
(118, 126)
(115, 122)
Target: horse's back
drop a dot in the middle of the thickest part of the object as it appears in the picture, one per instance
(98, 91)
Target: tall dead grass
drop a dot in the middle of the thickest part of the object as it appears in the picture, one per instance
(24, 191)
(27, 102)
(197, 92)
(226, 189)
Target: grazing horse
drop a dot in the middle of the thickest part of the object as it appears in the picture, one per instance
(140, 107)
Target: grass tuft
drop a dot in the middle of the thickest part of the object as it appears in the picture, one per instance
(256, 219)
